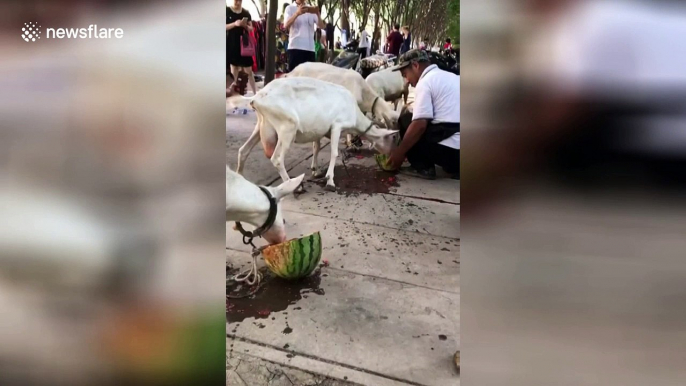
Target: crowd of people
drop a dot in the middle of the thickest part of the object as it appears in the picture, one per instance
(430, 134)
(302, 36)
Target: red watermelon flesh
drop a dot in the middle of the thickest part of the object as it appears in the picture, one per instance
(296, 258)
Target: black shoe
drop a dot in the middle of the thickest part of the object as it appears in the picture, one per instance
(426, 174)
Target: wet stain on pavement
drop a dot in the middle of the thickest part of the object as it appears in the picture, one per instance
(358, 179)
(273, 295)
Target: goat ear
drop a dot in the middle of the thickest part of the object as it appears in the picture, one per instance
(288, 187)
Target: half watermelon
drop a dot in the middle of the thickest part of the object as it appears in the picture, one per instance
(382, 161)
(296, 258)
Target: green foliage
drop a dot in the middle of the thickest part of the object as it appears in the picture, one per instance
(454, 21)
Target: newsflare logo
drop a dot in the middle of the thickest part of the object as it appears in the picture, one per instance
(31, 32)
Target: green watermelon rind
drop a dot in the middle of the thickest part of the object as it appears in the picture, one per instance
(295, 258)
(306, 252)
(382, 162)
(316, 246)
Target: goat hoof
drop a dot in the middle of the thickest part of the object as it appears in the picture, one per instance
(330, 188)
(318, 174)
(299, 190)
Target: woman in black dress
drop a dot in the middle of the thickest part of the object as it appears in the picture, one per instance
(235, 27)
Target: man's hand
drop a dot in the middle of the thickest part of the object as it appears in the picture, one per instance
(239, 23)
(396, 159)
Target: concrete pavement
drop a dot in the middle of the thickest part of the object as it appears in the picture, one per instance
(385, 311)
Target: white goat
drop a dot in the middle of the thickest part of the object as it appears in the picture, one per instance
(291, 110)
(367, 99)
(246, 202)
(390, 85)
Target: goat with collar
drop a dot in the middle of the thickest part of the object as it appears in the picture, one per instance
(248, 203)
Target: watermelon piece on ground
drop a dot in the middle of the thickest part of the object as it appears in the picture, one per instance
(296, 258)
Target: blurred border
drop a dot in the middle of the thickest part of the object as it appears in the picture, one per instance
(572, 192)
(112, 181)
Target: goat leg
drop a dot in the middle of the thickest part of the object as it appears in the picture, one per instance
(317, 174)
(335, 137)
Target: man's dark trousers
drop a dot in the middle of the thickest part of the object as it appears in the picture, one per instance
(427, 152)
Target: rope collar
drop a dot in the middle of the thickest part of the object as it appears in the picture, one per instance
(248, 236)
(368, 128)
(374, 105)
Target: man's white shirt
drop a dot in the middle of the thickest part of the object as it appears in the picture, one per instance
(437, 99)
(301, 33)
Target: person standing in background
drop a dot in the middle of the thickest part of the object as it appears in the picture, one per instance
(344, 38)
(301, 23)
(363, 47)
(238, 25)
(320, 45)
(395, 40)
(447, 46)
(282, 19)
(329, 35)
(407, 43)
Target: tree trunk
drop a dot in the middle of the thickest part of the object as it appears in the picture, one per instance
(271, 42)
(377, 33)
(365, 12)
(345, 16)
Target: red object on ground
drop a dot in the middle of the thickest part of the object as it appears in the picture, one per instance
(325, 262)
(359, 156)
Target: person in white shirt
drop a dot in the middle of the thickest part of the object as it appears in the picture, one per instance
(431, 133)
(363, 47)
(301, 22)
